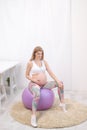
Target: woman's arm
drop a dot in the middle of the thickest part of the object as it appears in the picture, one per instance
(52, 74)
(28, 68)
(27, 74)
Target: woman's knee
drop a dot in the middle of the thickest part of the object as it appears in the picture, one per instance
(50, 85)
(37, 96)
(36, 92)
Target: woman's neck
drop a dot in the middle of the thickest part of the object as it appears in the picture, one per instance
(37, 60)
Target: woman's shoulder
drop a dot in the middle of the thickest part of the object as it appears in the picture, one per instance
(45, 62)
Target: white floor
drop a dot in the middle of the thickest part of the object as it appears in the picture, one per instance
(8, 123)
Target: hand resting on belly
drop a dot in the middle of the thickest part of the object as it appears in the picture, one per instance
(40, 78)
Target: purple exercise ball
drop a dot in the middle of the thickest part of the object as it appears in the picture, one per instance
(45, 102)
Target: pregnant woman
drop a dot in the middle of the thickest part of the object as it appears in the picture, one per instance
(36, 73)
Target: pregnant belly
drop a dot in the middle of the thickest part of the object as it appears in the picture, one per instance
(41, 78)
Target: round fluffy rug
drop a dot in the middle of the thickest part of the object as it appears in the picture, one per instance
(53, 117)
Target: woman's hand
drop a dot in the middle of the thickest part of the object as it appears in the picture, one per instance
(39, 79)
(35, 80)
(60, 84)
(38, 82)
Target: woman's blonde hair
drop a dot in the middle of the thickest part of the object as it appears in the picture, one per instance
(36, 49)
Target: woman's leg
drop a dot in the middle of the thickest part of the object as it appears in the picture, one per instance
(53, 84)
(36, 96)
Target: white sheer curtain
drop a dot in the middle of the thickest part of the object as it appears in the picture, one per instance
(27, 23)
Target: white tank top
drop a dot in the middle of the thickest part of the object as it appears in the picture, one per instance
(36, 69)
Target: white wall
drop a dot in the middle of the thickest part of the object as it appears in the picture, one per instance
(79, 45)
(27, 23)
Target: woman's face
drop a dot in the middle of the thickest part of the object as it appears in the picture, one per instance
(38, 55)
